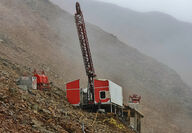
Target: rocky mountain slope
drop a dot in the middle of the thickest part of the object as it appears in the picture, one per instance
(45, 111)
(156, 34)
(40, 35)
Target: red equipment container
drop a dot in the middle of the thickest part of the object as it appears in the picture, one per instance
(101, 90)
(42, 80)
(73, 92)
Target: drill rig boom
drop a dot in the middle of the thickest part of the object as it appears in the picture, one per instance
(84, 44)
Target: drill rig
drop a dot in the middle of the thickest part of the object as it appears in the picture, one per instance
(84, 44)
(101, 95)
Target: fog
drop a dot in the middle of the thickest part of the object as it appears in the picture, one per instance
(181, 9)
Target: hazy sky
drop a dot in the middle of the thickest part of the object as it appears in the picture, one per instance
(181, 9)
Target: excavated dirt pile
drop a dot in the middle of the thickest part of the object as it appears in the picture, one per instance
(45, 111)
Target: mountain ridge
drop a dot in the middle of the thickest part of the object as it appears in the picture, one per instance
(45, 37)
(155, 34)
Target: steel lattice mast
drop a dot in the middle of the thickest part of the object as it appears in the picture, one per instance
(84, 44)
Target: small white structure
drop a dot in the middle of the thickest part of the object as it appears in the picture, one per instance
(116, 93)
(27, 82)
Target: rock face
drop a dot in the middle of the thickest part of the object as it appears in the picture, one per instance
(40, 35)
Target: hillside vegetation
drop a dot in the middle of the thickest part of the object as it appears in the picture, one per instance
(45, 111)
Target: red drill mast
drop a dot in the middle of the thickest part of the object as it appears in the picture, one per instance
(88, 63)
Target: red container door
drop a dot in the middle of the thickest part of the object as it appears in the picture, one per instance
(73, 92)
(101, 91)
